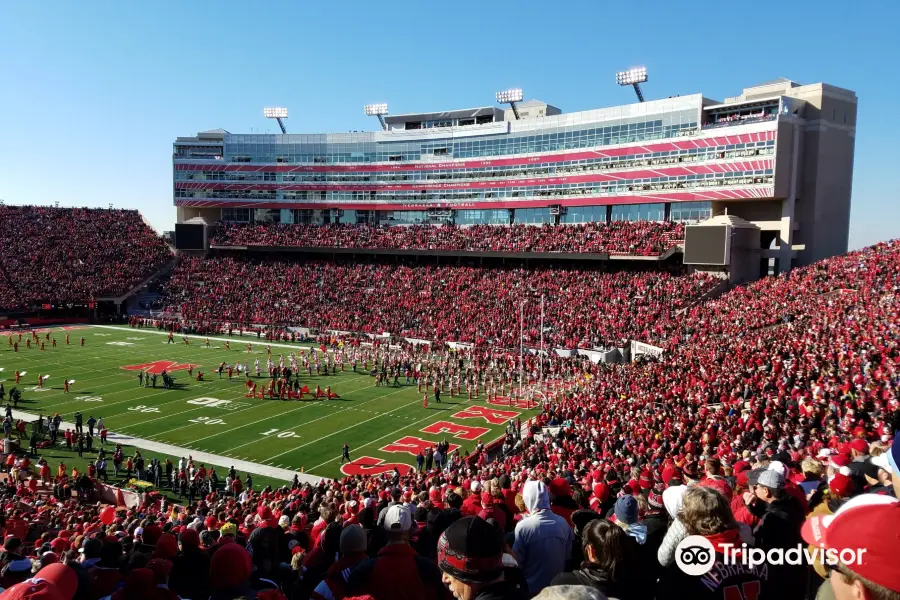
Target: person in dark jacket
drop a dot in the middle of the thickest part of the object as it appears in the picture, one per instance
(470, 557)
(656, 519)
(610, 562)
(317, 562)
(780, 529)
(706, 512)
(190, 569)
(353, 552)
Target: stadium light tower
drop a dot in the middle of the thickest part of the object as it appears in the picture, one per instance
(510, 96)
(277, 113)
(633, 76)
(377, 110)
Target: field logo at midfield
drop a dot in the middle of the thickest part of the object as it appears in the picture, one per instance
(158, 366)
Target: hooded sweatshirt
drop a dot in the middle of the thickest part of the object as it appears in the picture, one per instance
(543, 539)
(673, 499)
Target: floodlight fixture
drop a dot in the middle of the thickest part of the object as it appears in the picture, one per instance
(633, 77)
(378, 109)
(511, 96)
(278, 113)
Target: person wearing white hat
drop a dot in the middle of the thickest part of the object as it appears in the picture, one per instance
(882, 483)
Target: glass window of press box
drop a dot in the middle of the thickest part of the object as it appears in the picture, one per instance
(482, 217)
(584, 214)
(533, 216)
(690, 212)
(638, 212)
(315, 148)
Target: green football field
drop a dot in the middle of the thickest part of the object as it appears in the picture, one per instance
(383, 426)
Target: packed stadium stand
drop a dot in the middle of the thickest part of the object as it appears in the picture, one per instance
(774, 407)
(641, 238)
(779, 155)
(764, 420)
(584, 307)
(74, 255)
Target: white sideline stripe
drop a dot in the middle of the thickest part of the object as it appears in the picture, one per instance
(285, 475)
(242, 340)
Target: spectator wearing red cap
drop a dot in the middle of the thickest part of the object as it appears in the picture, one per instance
(561, 502)
(868, 521)
(229, 573)
(53, 582)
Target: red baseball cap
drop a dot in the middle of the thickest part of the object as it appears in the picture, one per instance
(870, 522)
(860, 445)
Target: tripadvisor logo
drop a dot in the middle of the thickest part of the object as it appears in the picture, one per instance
(695, 555)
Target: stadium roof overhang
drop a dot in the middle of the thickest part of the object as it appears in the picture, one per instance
(464, 113)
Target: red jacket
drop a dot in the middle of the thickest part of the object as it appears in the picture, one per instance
(398, 573)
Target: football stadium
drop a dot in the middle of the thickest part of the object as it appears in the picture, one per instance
(498, 352)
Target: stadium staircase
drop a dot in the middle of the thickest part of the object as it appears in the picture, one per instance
(710, 294)
(164, 271)
(5, 276)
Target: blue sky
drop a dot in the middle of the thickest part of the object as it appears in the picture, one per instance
(92, 94)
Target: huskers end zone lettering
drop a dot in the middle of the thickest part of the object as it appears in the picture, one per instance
(366, 465)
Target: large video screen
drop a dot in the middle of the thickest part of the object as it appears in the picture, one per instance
(189, 236)
(706, 245)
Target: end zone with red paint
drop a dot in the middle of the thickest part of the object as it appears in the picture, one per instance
(368, 465)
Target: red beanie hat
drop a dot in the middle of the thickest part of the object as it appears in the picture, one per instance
(230, 566)
(190, 538)
(166, 547)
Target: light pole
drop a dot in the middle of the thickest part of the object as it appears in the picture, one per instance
(541, 355)
(277, 113)
(377, 110)
(634, 77)
(511, 96)
(521, 344)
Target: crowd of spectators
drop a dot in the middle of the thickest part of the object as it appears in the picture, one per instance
(72, 255)
(642, 238)
(583, 307)
(768, 424)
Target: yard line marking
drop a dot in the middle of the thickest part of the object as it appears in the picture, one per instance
(378, 416)
(395, 432)
(295, 410)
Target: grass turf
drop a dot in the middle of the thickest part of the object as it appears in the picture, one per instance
(288, 434)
